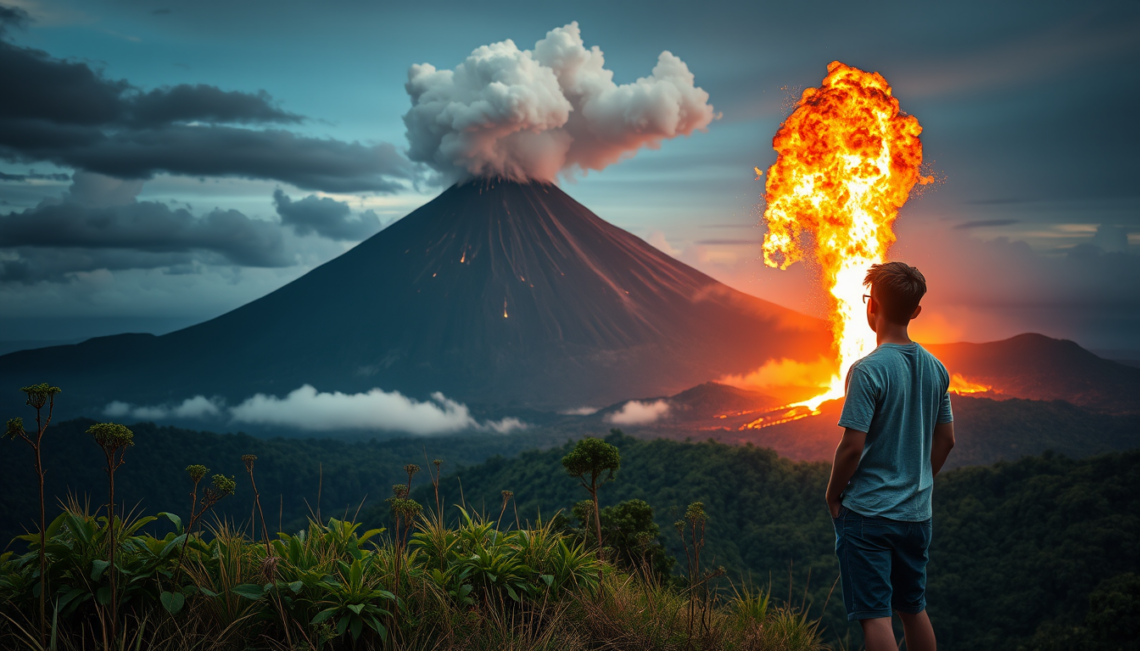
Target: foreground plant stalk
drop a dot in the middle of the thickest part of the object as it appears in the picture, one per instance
(38, 396)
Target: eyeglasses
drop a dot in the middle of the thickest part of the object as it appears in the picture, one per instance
(865, 297)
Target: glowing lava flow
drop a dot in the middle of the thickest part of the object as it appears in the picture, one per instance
(848, 159)
(961, 386)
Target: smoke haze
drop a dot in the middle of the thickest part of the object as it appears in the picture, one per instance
(532, 114)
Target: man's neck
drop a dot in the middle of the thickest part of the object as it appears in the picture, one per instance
(890, 333)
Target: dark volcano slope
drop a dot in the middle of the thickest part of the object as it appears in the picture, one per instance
(499, 294)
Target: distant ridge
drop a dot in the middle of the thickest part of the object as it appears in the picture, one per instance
(494, 293)
(1042, 368)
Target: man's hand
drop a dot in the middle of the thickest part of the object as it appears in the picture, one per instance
(833, 506)
(942, 443)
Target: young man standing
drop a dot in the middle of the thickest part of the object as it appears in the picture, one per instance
(899, 431)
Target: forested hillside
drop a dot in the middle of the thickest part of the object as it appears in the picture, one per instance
(1018, 547)
(291, 473)
(1021, 548)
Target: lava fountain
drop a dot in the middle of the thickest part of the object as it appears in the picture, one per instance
(847, 161)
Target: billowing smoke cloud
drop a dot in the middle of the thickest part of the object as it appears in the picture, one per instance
(530, 114)
(308, 409)
(636, 412)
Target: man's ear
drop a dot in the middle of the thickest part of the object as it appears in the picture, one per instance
(917, 310)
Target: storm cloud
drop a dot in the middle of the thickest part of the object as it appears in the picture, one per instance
(326, 217)
(99, 224)
(12, 17)
(34, 176)
(66, 113)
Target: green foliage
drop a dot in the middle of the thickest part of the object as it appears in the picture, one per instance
(352, 603)
(594, 458)
(1112, 621)
(14, 428)
(695, 514)
(111, 436)
(40, 394)
(631, 535)
(224, 485)
(197, 472)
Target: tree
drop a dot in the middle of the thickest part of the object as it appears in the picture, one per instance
(593, 462)
(114, 439)
(632, 534)
(39, 395)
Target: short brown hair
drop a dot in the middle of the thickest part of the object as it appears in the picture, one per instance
(898, 287)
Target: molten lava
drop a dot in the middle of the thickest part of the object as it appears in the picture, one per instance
(847, 161)
(961, 386)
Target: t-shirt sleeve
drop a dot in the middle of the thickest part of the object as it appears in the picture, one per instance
(859, 405)
(945, 414)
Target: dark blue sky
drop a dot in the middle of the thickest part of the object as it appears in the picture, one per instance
(164, 163)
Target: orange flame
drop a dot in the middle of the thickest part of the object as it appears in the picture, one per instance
(847, 160)
(961, 386)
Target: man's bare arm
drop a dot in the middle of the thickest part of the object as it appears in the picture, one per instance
(847, 456)
(942, 443)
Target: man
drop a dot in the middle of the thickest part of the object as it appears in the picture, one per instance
(899, 431)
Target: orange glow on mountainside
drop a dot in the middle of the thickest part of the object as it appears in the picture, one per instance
(847, 161)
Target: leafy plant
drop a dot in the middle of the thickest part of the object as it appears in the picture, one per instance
(352, 603)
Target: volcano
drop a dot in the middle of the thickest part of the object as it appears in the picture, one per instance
(494, 293)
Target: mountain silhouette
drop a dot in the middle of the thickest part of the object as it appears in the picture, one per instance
(494, 293)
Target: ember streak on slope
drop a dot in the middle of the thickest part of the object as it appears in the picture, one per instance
(847, 161)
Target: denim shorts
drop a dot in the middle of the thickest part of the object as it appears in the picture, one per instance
(882, 564)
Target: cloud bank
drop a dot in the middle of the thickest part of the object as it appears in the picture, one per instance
(196, 407)
(312, 410)
(636, 412)
(531, 114)
(71, 115)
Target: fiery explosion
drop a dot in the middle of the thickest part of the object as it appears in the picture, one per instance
(847, 160)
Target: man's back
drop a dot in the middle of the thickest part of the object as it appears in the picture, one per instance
(896, 394)
(898, 432)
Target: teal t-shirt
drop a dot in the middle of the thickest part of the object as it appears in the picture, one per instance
(896, 394)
